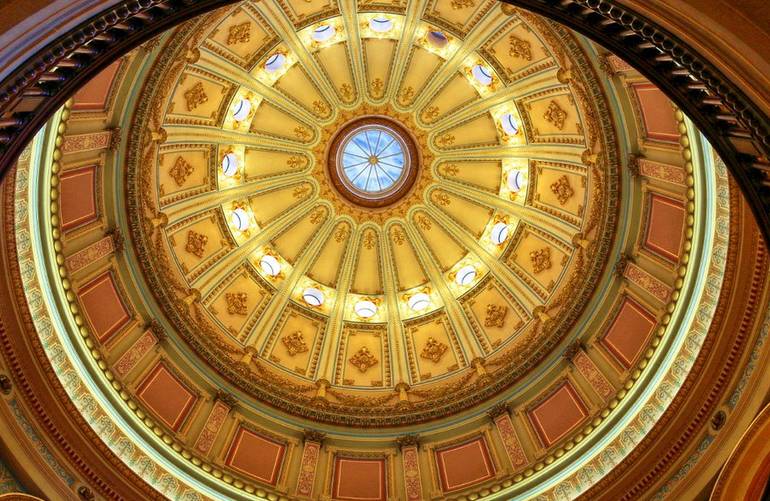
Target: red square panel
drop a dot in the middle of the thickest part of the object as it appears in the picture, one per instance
(255, 455)
(166, 396)
(629, 332)
(464, 464)
(657, 113)
(93, 95)
(103, 307)
(557, 415)
(665, 226)
(77, 197)
(359, 479)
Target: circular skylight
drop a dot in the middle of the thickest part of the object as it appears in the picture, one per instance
(419, 301)
(499, 233)
(275, 62)
(230, 164)
(365, 309)
(515, 180)
(242, 110)
(380, 24)
(437, 39)
(323, 33)
(240, 219)
(465, 276)
(482, 74)
(313, 296)
(509, 124)
(373, 160)
(270, 265)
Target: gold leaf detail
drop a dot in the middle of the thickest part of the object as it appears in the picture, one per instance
(495, 315)
(541, 259)
(195, 96)
(423, 222)
(363, 359)
(446, 140)
(181, 171)
(300, 191)
(369, 240)
(462, 4)
(555, 115)
(430, 113)
(346, 90)
(441, 198)
(433, 350)
(450, 170)
(341, 233)
(318, 216)
(406, 95)
(320, 107)
(562, 189)
(398, 236)
(519, 48)
(196, 243)
(296, 161)
(236, 303)
(240, 33)
(294, 343)
(376, 87)
(302, 133)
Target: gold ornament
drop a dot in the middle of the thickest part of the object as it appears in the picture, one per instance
(519, 48)
(556, 115)
(236, 303)
(495, 315)
(433, 350)
(295, 343)
(562, 189)
(196, 243)
(462, 4)
(363, 359)
(541, 259)
(240, 33)
(180, 171)
(195, 96)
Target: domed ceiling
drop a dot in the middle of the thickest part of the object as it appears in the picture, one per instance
(375, 250)
(374, 218)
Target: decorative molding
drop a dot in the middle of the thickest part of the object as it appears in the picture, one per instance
(640, 277)
(89, 255)
(135, 353)
(79, 143)
(307, 467)
(588, 369)
(211, 429)
(511, 442)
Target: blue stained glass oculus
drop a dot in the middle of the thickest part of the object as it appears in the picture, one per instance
(373, 160)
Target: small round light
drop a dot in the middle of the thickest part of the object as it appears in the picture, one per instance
(482, 74)
(465, 276)
(515, 180)
(437, 39)
(499, 233)
(275, 62)
(270, 265)
(323, 33)
(380, 24)
(230, 164)
(242, 110)
(365, 309)
(313, 296)
(509, 124)
(240, 219)
(419, 301)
